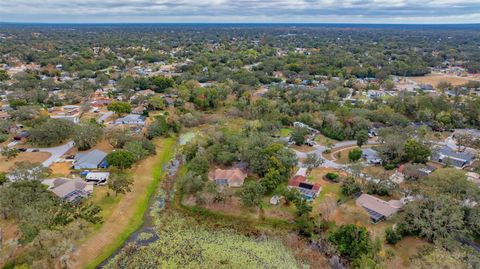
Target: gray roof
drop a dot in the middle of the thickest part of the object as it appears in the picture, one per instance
(371, 155)
(447, 155)
(91, 159)
(71, 190)
(130, 119)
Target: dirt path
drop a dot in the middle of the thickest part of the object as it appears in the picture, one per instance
(125, 216)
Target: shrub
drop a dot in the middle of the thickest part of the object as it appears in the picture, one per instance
(392, 236)
(355, 155)
(352, 241)
(389, 166)
(3, 137)
(332, 176)
(350, 187)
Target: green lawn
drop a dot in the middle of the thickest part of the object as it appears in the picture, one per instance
(141, 207)
(330, 188)
(284, 132)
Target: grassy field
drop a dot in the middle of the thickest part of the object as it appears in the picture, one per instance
(284, 132)
(127, 215)
(378, 172)
(435, 78)
(323, 140)
(184, 242)
(303, 148)
(33, 157)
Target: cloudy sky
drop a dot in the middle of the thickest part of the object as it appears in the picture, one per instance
(301, 11)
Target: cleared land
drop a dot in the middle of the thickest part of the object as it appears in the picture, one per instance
(33, 157)
(62, 168)
(435, 78)
(127, 215)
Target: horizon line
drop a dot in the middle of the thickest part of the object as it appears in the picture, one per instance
(248, 22)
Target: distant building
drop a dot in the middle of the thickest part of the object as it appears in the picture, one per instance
(471, 132)
(448, 156)
(90, 160)
(230, 177)
(298, 124)
(70, 113)
(309, 190)
(131, 119)
(70, 190)
(377, 208)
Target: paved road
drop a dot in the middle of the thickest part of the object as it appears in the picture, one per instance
(56, 152)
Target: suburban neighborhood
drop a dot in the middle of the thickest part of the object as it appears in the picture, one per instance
(239, 146)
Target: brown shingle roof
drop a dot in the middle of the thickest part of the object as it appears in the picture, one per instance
(235, 177)
(378, 205)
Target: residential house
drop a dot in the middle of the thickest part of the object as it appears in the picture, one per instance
(229, 177)
(298, 124)
(97, 177)
(131, 119)
(90, 160)
(169, 101)
(371, 156)
(377, 208)
(309, 190)
(70, 113)
(474, 133)
(101, 102)
(70, 190)
(138, 110)
(449, 156)
(419, 171)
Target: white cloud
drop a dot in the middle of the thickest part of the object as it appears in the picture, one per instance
(382, 11)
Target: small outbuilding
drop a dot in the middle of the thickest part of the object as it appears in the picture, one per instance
(100, 178)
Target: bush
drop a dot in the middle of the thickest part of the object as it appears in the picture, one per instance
(350, 187)
(352, 241)
(392, 236)
(378, 189)
(3, 137)
(332, 176)
(354, 155)
(122, 159)
(389, 166)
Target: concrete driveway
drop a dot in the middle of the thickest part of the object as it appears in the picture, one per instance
(56, 152)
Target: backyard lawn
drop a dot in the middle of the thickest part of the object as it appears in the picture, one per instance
(285, 132)
(123, 215)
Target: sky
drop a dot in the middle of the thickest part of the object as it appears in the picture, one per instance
(241, 11)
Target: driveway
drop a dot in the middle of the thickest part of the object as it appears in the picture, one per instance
(56, 152)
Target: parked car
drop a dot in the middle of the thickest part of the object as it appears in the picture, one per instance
(22, 149)
(35, 150)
